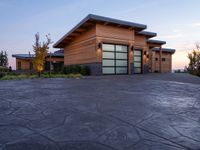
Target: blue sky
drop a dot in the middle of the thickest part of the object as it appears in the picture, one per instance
(176, 21)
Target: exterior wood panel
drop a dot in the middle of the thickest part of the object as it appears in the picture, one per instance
(81, 54)
(140, 40)
(166, 65)
(25, 64)
(54, 59)
(114, 32)
(82, 50)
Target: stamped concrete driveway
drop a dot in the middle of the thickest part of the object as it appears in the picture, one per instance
(140, 112)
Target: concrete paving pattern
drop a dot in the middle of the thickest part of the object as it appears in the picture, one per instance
(138, 112)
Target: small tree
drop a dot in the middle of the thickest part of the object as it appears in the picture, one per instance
(3, 59)
(194, 57)
(41, 51)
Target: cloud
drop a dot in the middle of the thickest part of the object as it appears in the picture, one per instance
(197, 24)
(172, 36)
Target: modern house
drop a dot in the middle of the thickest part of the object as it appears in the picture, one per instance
(111, 46)
(25, 61)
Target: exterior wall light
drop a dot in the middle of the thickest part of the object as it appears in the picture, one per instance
(132, 48)
(99, 45)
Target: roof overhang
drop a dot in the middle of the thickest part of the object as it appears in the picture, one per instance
(89, 21)
(156, 42)
(168, 50)
(23, 56)
(147, 34)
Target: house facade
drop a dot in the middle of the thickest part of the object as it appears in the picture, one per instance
(111, 46)
(24, 62)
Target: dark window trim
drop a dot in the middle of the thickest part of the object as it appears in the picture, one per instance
(115, 59)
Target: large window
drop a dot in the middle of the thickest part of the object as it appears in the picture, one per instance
(115, 59)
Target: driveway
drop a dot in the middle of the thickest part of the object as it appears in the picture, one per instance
(140, 112)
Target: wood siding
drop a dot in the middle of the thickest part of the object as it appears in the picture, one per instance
(166, 65)
(114, 32)
(25, 64)
(82, 50)
(55, 59)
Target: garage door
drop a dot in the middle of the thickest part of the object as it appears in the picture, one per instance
(137, 61)
(115, 59)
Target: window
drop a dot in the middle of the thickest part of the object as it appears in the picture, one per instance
(163, 59)
(19, 65)
(156, 59)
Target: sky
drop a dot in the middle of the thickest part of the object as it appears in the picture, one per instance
(175, 21)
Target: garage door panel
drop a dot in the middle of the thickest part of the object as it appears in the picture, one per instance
(109, 62)
(121, 70)
(121, 56)
(108, 70)
(121, 63)
(109, 55)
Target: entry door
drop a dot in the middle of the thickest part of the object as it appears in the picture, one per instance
(115, 59)
(137, 61)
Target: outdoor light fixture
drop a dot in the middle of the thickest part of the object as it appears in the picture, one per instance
(99, 46)
(132, 48)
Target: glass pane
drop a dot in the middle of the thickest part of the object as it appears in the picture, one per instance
(121, 55)
(121, 63)
(121, 70)
(139, 53)
(108, 47)
(121, 48)
(108, 55)
(137, 58)
(137, 70)
(137, 64)
(108, 70)
(108, 63)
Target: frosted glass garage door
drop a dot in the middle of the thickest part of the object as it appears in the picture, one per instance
(137, 61)
(114, 59)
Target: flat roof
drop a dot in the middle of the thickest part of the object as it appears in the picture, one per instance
(59, 53)
(156, 42)
(96, 18)
(169, 50)
(147, 33)
(23, 56)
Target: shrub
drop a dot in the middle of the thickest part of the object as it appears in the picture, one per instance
(3, 69)
(2, 74)
(13, 77)
(76, 69)
(85, 70)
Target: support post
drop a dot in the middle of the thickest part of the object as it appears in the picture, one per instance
(160, 59)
